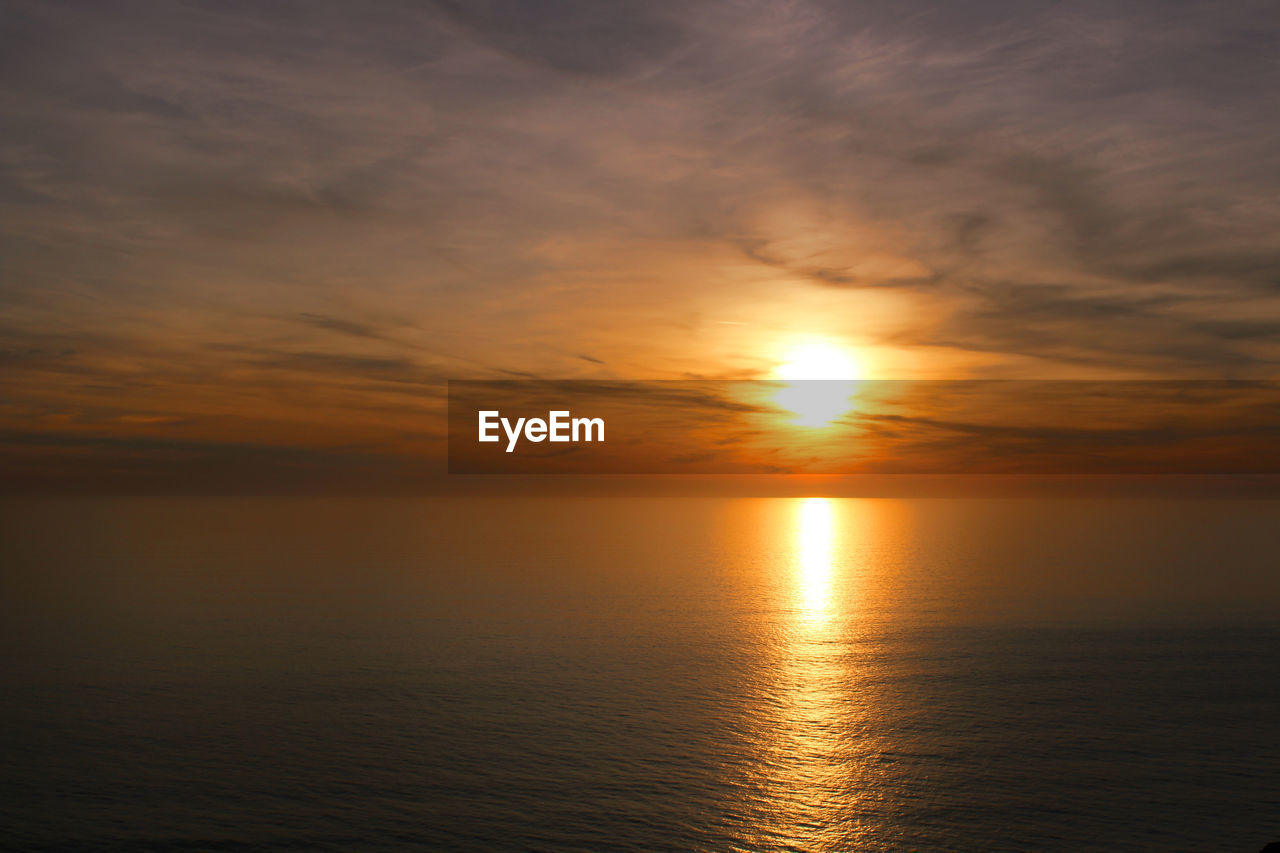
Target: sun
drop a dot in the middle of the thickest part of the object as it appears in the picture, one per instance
(818, 360)
(821, 377)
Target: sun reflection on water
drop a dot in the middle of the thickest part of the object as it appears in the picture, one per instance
(816, 789)
(814, 548)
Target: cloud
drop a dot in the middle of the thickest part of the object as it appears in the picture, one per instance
(574, 36)
(395, 369)
(337, 324)
(214, 197)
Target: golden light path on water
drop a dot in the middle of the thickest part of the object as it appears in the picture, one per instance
(815, 763)
(813, 576)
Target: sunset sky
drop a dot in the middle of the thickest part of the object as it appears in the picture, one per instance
(243, 242)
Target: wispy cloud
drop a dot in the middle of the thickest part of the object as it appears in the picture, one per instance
(207, 196)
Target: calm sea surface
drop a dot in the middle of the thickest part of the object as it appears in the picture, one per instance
(639, 674)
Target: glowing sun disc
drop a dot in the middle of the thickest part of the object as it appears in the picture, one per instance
(818, 360)
(817, 403)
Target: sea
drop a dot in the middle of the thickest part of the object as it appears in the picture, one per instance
(639, 674)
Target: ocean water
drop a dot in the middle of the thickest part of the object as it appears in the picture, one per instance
(639, 674)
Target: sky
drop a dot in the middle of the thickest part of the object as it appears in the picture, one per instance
(248, 243)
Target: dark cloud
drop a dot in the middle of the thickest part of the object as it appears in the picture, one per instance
(1072, 325)
(27, 355)
(149, 444)
(574, 36)
(1240, 330)
(346, 327)
(350, 366)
